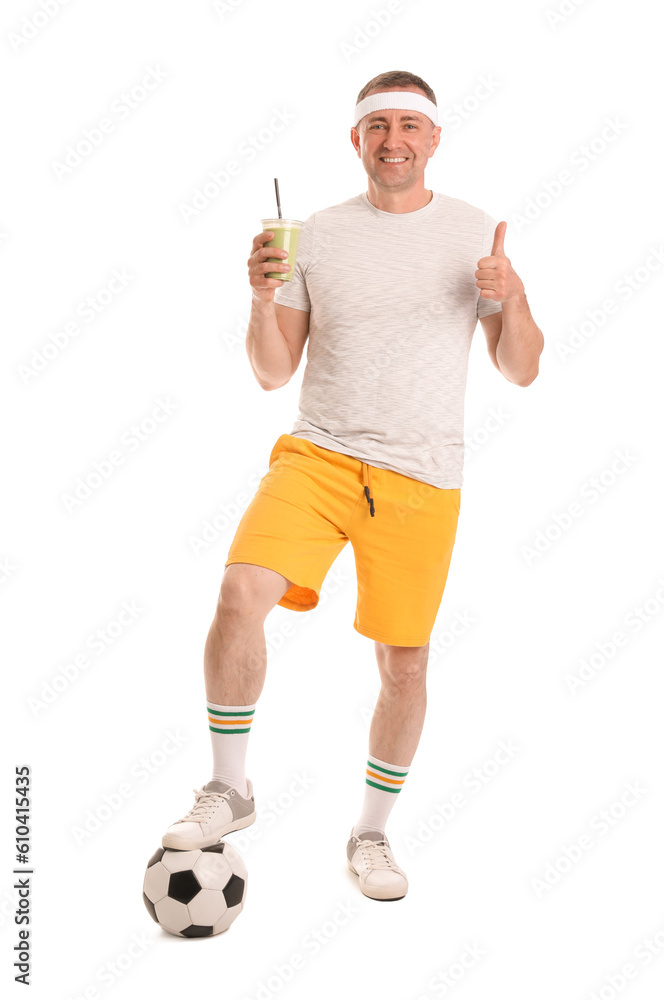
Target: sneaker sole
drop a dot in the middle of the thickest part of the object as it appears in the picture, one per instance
(180, 844)
(376, 893)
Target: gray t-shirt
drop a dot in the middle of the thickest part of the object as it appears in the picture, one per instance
(393, 305)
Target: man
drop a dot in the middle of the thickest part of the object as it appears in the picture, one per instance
(388, 287)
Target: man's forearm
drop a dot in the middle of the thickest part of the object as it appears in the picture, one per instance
(520, 343)
(269, 354)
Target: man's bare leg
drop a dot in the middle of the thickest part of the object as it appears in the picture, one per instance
(395, 732)
(235, 653)
(234, 668)
(398, 717)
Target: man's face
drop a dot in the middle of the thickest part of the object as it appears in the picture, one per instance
(409, 137)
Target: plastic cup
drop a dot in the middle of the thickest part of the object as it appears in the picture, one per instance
(286, 237)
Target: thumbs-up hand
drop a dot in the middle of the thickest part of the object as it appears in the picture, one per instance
(496, 278)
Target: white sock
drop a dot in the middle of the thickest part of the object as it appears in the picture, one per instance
(230, 726)
(383, 782)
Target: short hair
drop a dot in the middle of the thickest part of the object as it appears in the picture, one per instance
(396, 78)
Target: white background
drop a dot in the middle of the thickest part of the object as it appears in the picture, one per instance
(176, 333)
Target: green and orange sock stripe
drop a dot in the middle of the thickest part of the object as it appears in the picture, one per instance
(387, 777)
(230, 719)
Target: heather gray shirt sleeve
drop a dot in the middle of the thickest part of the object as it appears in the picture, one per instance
(294, 292)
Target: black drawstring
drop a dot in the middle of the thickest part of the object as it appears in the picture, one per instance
(366, 475)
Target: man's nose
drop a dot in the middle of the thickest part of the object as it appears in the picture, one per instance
(391, 138)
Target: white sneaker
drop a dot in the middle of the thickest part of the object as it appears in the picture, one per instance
(370, 857)
(219, 809)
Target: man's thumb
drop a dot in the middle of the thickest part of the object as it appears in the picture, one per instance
(499, 239)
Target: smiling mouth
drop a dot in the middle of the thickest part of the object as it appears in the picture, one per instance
(393, 159)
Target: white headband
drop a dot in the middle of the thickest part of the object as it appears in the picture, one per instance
(402, 100)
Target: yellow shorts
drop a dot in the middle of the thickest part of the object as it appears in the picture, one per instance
(312, 501)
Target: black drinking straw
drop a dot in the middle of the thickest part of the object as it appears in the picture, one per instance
(276, 188)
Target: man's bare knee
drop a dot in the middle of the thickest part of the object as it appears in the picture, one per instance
(249, 591)
(402, 666)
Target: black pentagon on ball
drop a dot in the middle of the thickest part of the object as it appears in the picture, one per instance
(157, 856)
(233, 890)
(183, 886)
(215, 849)
(150, 908)
(194, 930)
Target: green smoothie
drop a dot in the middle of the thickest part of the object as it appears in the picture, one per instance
(286, 237)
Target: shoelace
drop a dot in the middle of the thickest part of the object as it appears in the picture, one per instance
(378, 856)
(205, 806)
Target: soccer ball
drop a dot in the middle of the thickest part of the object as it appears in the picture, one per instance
(195, 893)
